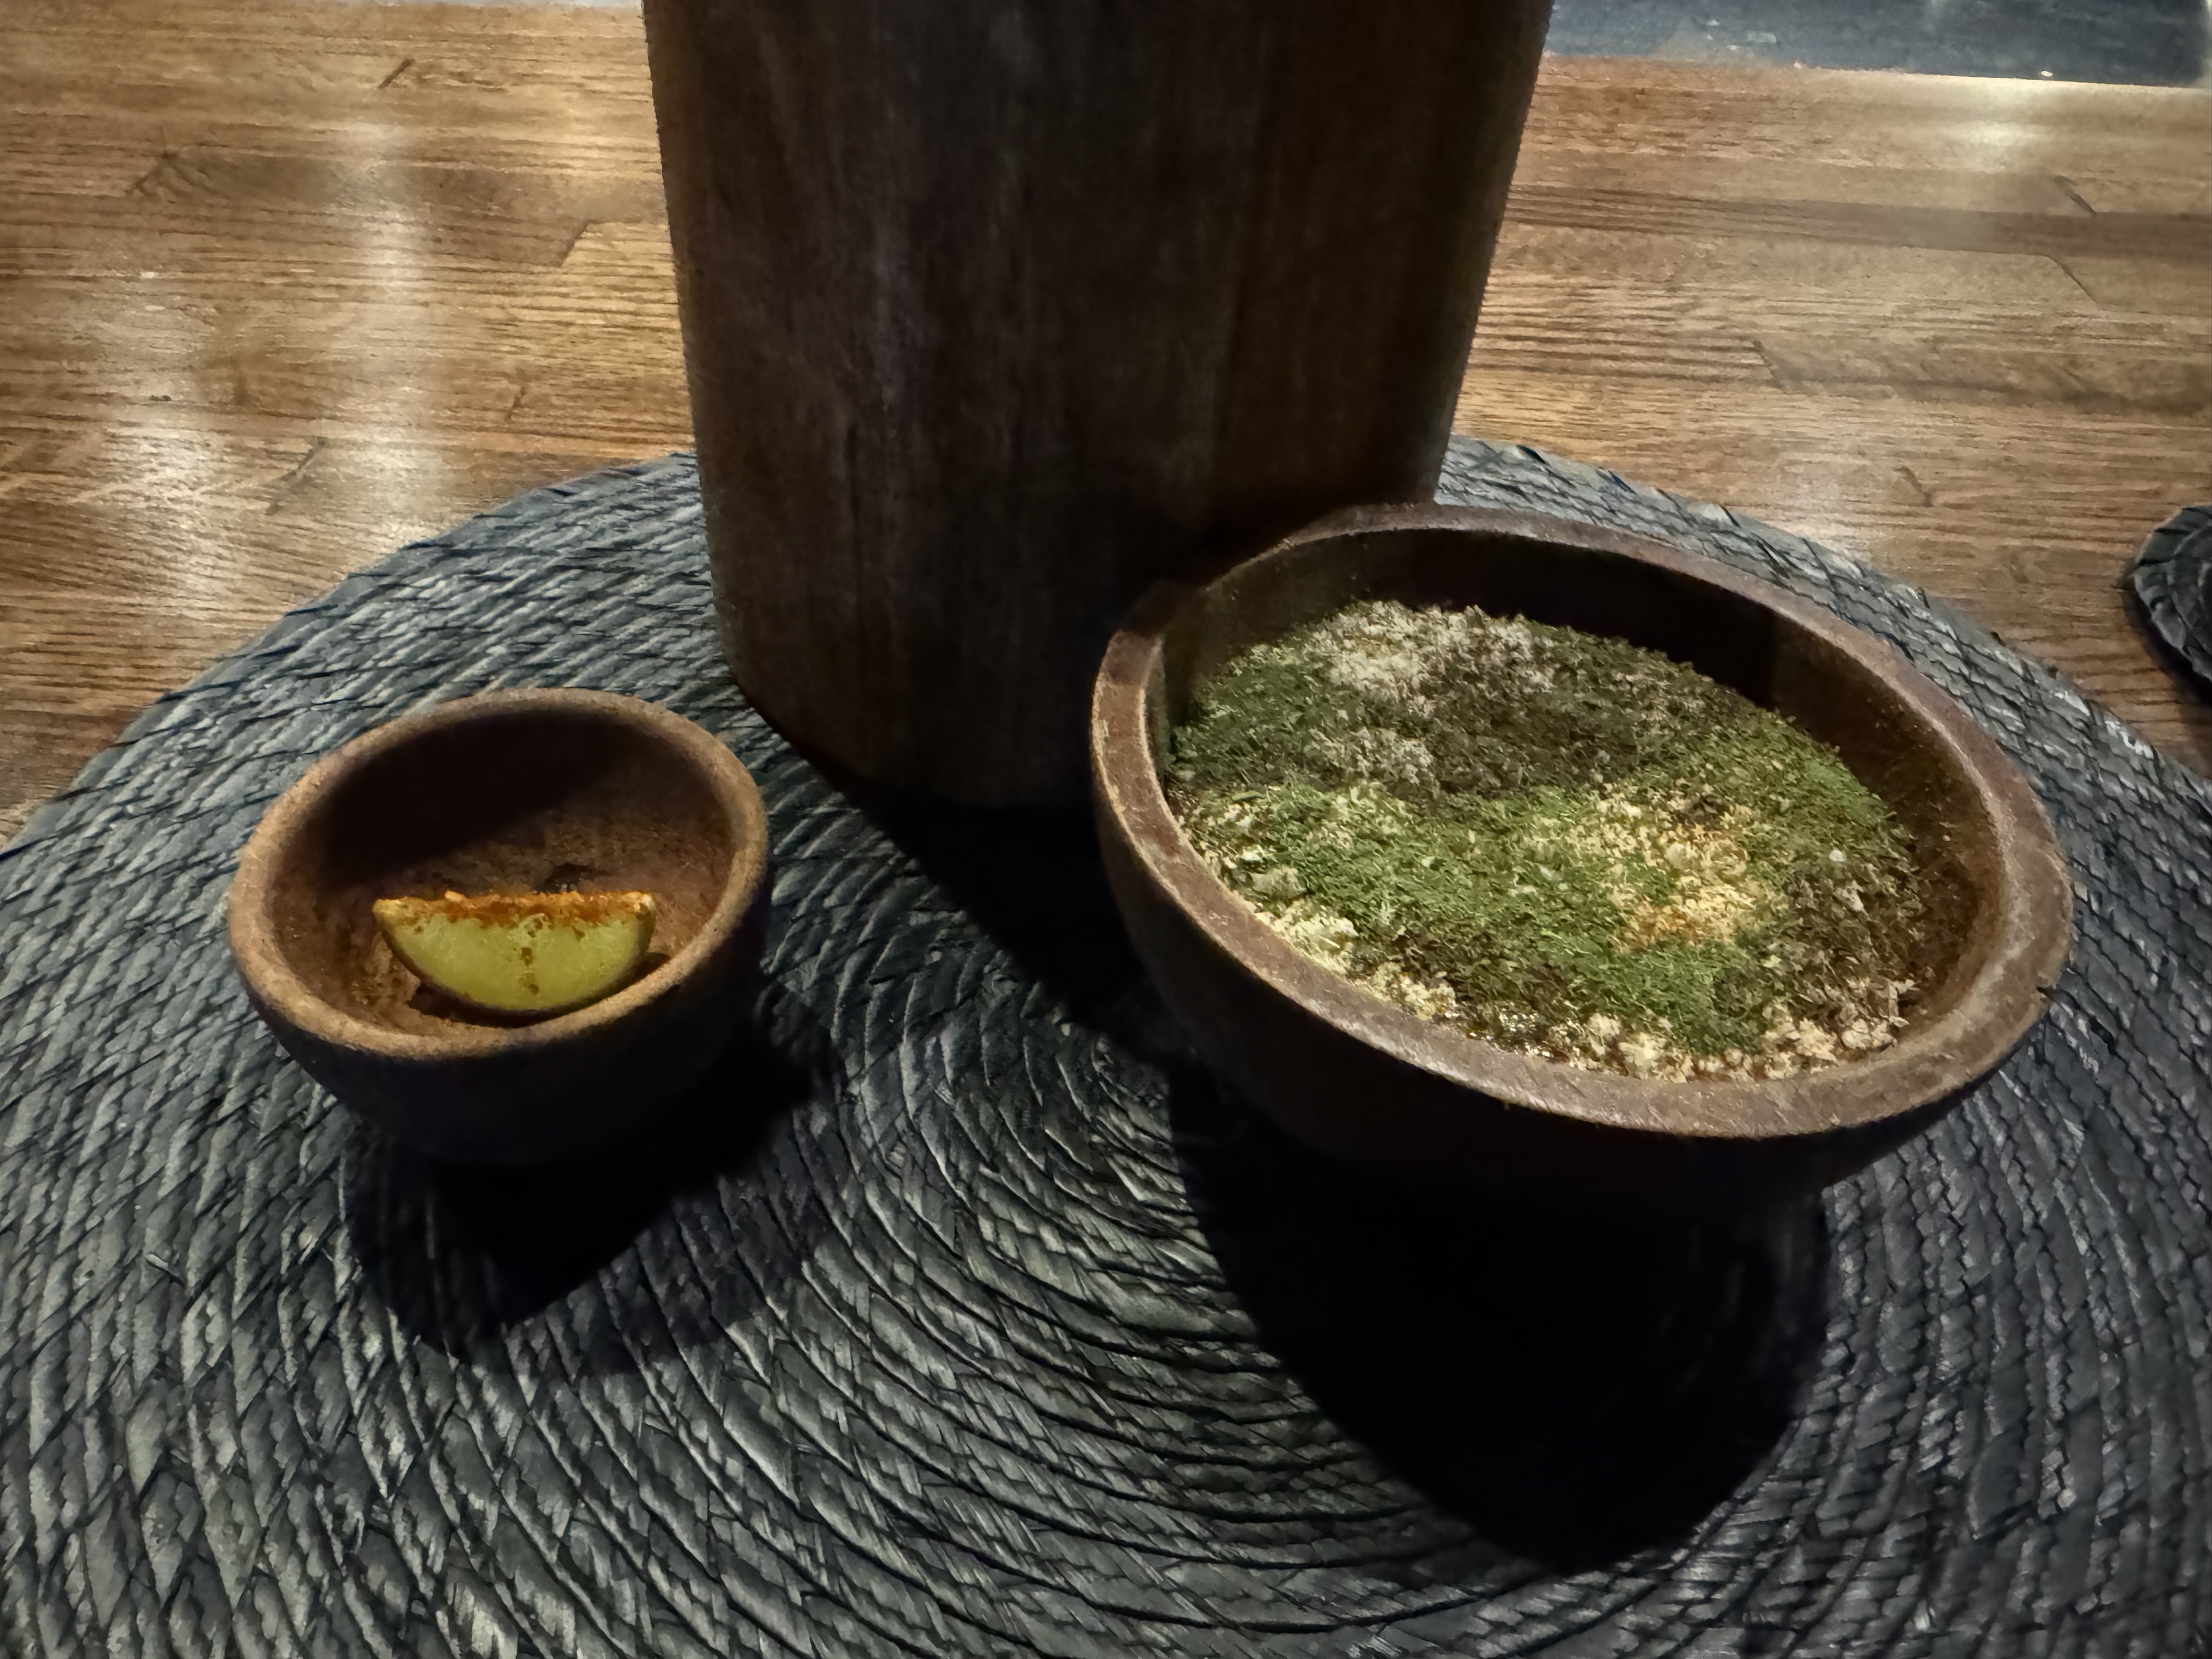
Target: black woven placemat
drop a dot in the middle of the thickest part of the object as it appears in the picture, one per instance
(2171, 575)
(957, 1315)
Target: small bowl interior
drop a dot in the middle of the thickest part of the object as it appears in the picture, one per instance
(1765, 654)
(522, 799)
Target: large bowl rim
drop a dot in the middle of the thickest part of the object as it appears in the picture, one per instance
(267, 968)
(1996, 1008)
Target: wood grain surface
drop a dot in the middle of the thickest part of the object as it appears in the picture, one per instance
(282, 287)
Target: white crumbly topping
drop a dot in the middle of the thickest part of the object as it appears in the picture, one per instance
(1712, 896)
(1378, 752)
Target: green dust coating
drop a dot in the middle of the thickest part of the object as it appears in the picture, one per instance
(1566, 844)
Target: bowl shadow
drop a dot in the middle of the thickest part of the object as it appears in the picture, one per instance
(462, 1253)
(1576, 1387)
(1034, 884)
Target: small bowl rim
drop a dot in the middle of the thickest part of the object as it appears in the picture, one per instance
(1996, 1008)
(268, 971)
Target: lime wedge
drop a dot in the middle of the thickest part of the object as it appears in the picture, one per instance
(521, 953)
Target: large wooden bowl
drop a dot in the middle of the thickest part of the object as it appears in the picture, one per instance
(512, 790)
(1358, 1077)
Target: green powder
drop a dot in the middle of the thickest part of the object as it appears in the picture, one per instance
(1567, 845)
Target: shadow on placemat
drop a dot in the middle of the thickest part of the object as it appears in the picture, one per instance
(1033, 881)
(462, 1253)
(1575, 1388)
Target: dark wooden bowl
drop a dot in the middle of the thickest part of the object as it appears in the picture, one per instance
(513, 789)
(1362, 1079)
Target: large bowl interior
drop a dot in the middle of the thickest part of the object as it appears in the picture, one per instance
(524, 798)
(1772, 658)
(1998, 924)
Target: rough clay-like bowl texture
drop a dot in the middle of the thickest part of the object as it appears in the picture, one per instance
(508, 790)
(1362, 1079)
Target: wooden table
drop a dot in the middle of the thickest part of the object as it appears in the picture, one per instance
(284, 286)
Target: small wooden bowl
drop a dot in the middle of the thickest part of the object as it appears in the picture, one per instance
(1360, 1077)
(512, 791)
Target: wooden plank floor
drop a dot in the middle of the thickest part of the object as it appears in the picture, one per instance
(281, 286)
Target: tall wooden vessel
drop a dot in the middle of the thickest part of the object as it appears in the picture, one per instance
(997, 310)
